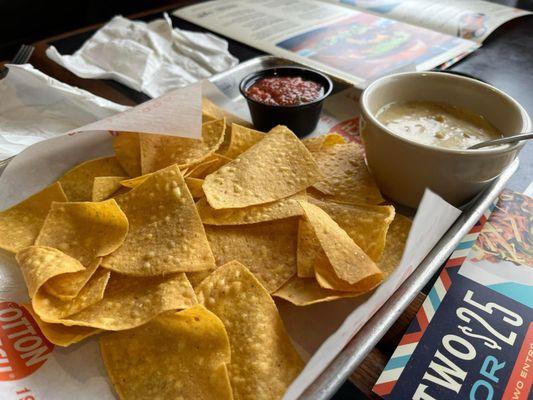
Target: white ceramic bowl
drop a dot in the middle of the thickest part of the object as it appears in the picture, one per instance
(404, 168)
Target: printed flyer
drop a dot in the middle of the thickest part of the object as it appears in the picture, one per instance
(473, 336)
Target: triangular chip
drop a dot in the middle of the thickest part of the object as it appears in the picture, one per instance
(129, 302)
(59, 334)
(165, 234)
(20, 224)
(134, 182)
(307, 291)
(396, 239)
(314, 144)
(367, 225)
(67, 286)
(276, 167)
(207, 166)
(105, 186)
(279, 209)
(182, 355)
(263, 360)
(241, 139)
(268, 248)
(348, 262)
(210, 112)
(161, 151)
(308, 249)
(195, 187)
(128, 152)
(346, 177)
(78, 182)
(84, 230)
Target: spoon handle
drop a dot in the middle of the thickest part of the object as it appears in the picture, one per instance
(504, 140)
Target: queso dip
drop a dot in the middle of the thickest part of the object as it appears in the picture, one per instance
(437, 124)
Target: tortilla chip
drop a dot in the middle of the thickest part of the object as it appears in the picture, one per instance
(128, 152)
(395, 245)
(38, 264)
(280, 209)
(165, 234)
(308, 249)
(129, 302)
(61, 335)
(105, 186)
(314, 144)
(20, 224)
(241, 139)
(181, 355)
(307, 291)
(268, 248)
(367, 225)
(84, 230)
(276, 167)
(51, 309)
(195, 187)
(263, 360)
(134, 182)
(67, 286)
(210, 112)
(347, 178)
(161, 151)
(207, 166)
(78, 182)
(347, 261)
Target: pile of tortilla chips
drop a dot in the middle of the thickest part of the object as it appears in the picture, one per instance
(178, 245)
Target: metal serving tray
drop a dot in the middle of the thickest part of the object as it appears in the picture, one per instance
(364, 341)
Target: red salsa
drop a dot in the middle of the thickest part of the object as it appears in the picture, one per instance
(285, 91)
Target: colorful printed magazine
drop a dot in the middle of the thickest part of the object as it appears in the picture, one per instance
(473, 336)
(357, 40)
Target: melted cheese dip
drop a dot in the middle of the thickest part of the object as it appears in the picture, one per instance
(437, 124)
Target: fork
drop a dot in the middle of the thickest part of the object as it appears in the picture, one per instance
(22, 57)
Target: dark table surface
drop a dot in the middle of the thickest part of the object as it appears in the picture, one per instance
(505, 60)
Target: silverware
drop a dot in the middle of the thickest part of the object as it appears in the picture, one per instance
(22, 57)
(505, 140)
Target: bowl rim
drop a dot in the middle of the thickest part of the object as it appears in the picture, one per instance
(266, 71)
(469, 152)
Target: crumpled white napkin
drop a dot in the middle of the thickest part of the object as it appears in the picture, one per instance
(149, 57)
(34, 107)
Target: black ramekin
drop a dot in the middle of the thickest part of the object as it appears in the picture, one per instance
(301, 119)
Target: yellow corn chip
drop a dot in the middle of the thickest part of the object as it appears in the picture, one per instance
(134, 182)
(263, 361)
(38, 264)
(165, 233)
(396, 239)
(241, 139)
(129, 302)
(181, 355)
(314, 144)
(128, 152)
(20, 224)
(67, 286)
(367, 225)
(347, 261)
(105, 186)
(308, 249)
(84, 230)
(78, 182)
(279, 209)
(61, 335)
(346, 176)
(307, 291)
(276, 167)
(195, 187)
(210, 112)
(51, 309)
(207, 166)
(161, 151)
(268, 248)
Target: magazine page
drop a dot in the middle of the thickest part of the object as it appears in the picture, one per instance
(353, 45)
(469, 19)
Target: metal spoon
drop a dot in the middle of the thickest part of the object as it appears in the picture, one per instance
(504, 140)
